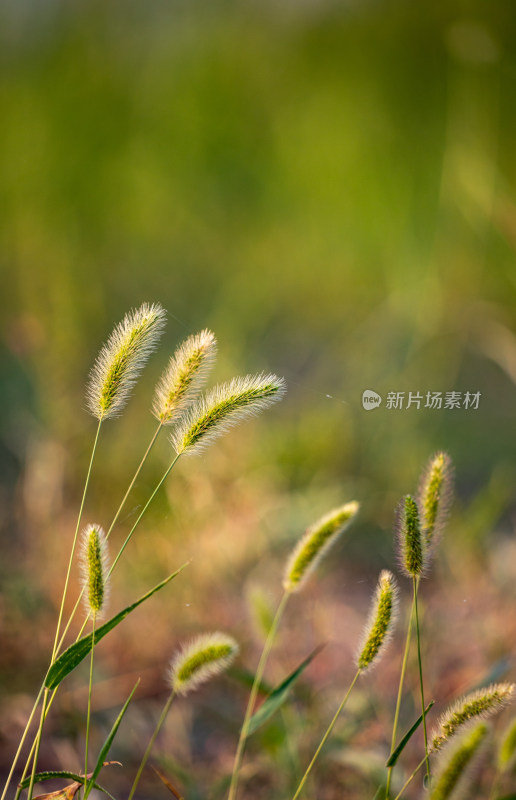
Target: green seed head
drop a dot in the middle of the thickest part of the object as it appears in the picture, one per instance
(483, 703)
(121, 360)
(456, 770)
(315, 544)
(381, 622)
(94, 564)
(435, 495)
(225, 406)
(184, 376)
(411, 545)
(201, 659)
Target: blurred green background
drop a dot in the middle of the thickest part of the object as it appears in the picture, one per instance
(331, 188)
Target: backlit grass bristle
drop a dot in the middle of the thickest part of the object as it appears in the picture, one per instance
(121, 360)
(381, 622)
(184, 376)
(94, 567)
(482, 703)
(456, 769)
(435, 496)
(314, 544)
(411, 546)
(223, 407)
(200, 660)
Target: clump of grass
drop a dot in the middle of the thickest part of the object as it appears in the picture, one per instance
(185, 374)
(482, 703)
(223, 407)
(121, 360)
(455, 772)
(315, 543)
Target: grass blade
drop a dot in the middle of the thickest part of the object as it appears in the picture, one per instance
(278, 695)
(77, 652)
(109, 741)
(52, 775)
(408, 736)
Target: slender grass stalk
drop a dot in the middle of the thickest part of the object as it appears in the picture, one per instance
(326, 736)
(421, 687)
(147, 753)
(113, 523)
(400, 694)
(410, 778)
(37, 744)
(74, 545)
(22, 741)
(89, 699)
(254, 694)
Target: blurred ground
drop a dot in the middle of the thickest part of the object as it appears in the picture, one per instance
(330, 187)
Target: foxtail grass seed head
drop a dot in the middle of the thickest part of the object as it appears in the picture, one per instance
(435, 495)
(314, 544)
(200, 660)
(184, 376)
(223, 407)
(381, 622)
(94, 567)
(456, 770)
(121, 360)
(482, 703)
(411, 546)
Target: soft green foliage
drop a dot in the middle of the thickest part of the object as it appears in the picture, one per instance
(435, 496)
(482, 703)
(122, 358)
(184, 376)
(315, 543)
(204, 657)
(382, 619)
(507, 749)
(411, 547)
(223, 407)
(452, 773)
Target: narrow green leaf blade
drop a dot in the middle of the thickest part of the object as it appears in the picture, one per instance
(408, 736)
(56, 774)
(109, 740)
(77, 652)
(278, 696)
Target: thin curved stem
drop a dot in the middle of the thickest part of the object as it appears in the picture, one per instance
(22, 740)
(409, 779)
(70, 560)
(88, 717)
(147, 753)
(326, 736)
(37, 744)
(244, 731)
(400, 694)
(421, 687)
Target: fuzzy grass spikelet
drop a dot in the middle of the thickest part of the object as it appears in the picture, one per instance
(184, 376)
(201, 659)
(381, 622)
(482, 703)
(94, 566)
(411, 546)
(121, 360)
(456, 770)
(223, 407)
(434, 496)
(314, 544)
